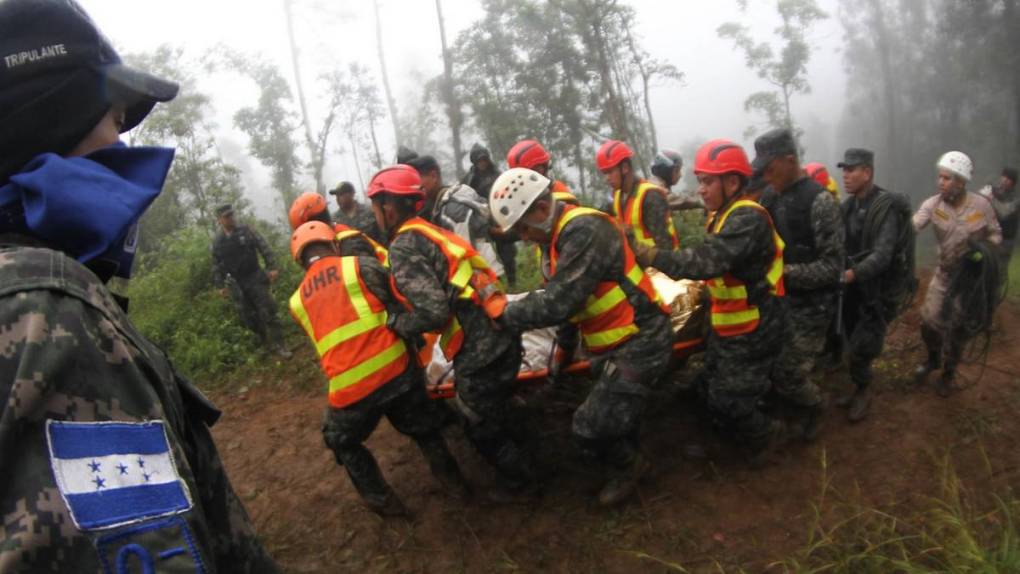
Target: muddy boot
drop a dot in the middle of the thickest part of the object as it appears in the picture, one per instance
(761, 448)
(390, 505)
(944, 384)
(812, 422)
(444, 467)
(860, 405)
(933, 341)
(623, 482)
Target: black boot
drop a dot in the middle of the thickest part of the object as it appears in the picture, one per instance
(933, 341)
(444, 467)
(944, 384)
(627, 467)
(860, 405)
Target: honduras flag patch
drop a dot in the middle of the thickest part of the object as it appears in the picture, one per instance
(115, 473)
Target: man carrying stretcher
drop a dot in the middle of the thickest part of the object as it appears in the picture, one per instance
(597, 290)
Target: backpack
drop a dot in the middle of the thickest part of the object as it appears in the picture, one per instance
(897, 285)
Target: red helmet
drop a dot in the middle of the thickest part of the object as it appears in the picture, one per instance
(398, 179)
(817, 172)
(308, 233)
(306, 206)
(611, 154)
(527, 153)
(719, 157)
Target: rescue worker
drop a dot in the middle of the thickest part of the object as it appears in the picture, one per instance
(667, 170)
(353, 214)
(595, 288)
(1006, 202)
(873, 227)
(311, 206)
(236, 271)
(742, 261)
(479, 178)
(817, 172)
(959, 218)
(87, 400)
(457, 208)
(640, 206)
(808, 220)
(442, 284)
(532, 155)
(342, 305)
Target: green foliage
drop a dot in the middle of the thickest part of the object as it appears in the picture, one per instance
(174, 303)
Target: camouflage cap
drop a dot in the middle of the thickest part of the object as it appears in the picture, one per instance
(855, 156)
(771, 145)
(342, 187)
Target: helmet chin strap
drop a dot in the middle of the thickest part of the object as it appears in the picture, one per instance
(546, 225)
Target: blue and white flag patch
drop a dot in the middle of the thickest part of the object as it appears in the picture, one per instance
(115, 473)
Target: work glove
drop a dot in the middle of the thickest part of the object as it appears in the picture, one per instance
(645, 254)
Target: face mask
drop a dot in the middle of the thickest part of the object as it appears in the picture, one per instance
(89, 206)
(545, 226)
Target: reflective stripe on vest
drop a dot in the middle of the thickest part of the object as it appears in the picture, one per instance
(607, 319)
(562, 193)
(344, 232)
(347, 324)
(467, 269)
(631, 215)
(731, 313)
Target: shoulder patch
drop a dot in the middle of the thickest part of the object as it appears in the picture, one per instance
(115, 473)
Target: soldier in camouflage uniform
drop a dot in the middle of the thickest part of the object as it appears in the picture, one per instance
(741, 259)
(393, 387)
(480, 176)
(107, 456)
(808, 219)
(353, 214)
(630, 339)
(425, 262)
(237, 273)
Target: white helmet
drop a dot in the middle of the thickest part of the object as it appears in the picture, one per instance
(512, 194)
(958, 163)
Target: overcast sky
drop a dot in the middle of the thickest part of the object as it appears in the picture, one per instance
(332, 34)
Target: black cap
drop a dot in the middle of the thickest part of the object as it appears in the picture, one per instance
(771, 145)
(58, 76)
(224, 210)
(423, 163)
(343, 187)
(855, 156)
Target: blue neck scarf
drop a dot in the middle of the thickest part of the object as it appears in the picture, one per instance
(87, 206)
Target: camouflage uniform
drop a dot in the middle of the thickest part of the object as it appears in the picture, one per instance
(236, 266)
(655, 216)
(361, 218)
(590, 250)
(870, 252)
(808, 219)
(69, 353)
(737, 368)
(403, 401)
(488, 362)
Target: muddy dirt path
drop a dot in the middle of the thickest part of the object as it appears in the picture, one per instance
(705, 514)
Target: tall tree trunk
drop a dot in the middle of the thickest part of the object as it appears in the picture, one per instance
(579, 162)
(593, 20)
(452, 105)
(357, 162)
(375, 142)
(316, 165)
(390, 102)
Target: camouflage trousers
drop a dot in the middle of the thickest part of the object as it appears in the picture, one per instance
(736, 376)
(807, 325)
(405, 404)
(608, 422)
(256, 307)
(483, 398)
(865, 327)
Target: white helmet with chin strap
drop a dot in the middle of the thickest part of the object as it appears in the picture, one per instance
(957, 163)
(512, 194)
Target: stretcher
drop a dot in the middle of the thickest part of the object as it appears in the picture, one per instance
(687, 316)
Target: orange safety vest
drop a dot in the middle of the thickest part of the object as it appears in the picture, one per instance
(607, 319)
(630, 215)
(731, 313)
(344, 232)
(562, 193)
(347, 323)
(468, 273)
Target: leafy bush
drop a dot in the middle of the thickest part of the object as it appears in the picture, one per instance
(174, 303)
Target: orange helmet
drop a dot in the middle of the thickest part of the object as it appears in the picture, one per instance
(526, 153)
(308, 233)
(719, 157)
(611, 154)
(307, 205)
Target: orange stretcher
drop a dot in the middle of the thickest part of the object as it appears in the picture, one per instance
(445, 388)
